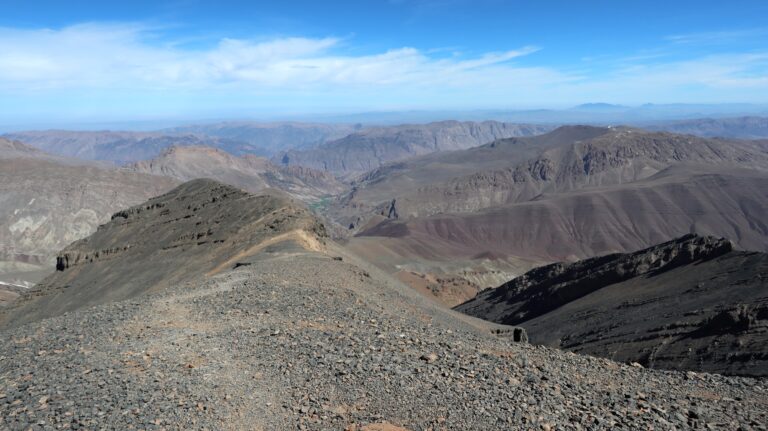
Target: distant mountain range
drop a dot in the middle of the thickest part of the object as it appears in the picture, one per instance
(248, 172)
(270, 138)
(596, 113)
(371, 148)
(739, 127)
(350, 149)
(118, 147)
(238, 138)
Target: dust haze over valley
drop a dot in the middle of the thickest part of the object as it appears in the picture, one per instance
(287, 216)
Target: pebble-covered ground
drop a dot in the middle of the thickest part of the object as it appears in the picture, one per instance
(304, 341)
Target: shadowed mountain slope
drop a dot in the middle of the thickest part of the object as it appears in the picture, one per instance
(371, 148)
(198, 228)
(692, 303)
(592, 221)
(248, 172)
(569, 158)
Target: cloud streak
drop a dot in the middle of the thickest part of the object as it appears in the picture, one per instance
(717, 37)
(139, 63)
(103, 56)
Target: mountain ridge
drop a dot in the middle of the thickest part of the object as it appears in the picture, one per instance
(690, 303)
(249, 172)
(606, 156)
(194, 230)
(370, 148)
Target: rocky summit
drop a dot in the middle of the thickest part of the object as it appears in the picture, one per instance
(256, 321)
(693, 303)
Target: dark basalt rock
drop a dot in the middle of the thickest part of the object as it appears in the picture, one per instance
(690, 303)
(548, 287)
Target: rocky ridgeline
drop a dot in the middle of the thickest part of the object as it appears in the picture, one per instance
(549, 287)
(201, 227)
(691, 303)
(615, 156)
(371, 148)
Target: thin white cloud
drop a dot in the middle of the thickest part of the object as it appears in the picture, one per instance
(102, 56)
(92, 67)
(714, 78)
(717, 37)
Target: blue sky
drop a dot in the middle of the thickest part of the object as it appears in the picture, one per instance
(139, 60)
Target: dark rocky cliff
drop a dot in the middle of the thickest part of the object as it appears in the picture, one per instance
(691, 303)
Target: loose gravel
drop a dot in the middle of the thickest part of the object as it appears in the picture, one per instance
(305, 341)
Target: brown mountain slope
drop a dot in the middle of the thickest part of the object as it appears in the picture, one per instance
(572, 161)
(46, 202)
(9, 292)
(371, 148)
(199, 228)
(584, 223)
(488, 213)
(692, 303)
(12, 149)
(500, 242)
(250, 173)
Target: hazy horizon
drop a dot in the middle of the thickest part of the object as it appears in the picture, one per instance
(580, 114)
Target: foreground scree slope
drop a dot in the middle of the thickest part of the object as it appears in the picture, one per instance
(692, 303)
(297, 334)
